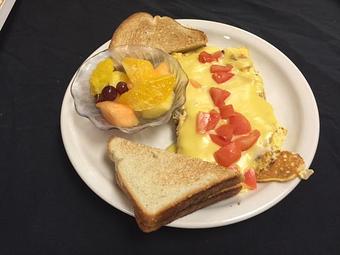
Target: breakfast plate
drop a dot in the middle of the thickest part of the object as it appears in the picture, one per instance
(286, 89)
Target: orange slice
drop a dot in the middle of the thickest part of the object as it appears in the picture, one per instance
(149, 93)
(138, 70)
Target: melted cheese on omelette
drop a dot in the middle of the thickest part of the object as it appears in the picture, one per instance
(247, 97)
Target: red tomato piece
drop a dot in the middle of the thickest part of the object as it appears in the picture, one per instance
(240, 124)
(228, 154)
(205, 57)
(213, 120)
(219, 68)
(202, 121)
(226, 131)
(226, 111)
(245, 142)
(250, 178)
(218, 96)
(221, 77)
(219, 140)
(216, 55)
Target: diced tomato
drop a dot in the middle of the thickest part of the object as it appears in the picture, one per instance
(226, 111)
(219, 68)
(205, 57)
(250, 178)
(218, 96)
(226, 131)
(195, 84)
(240, 124)
(217, 55)
(219, 140)
(202, 121)
(228, 154)
(221, 77)
(245, 142)
(213, 120)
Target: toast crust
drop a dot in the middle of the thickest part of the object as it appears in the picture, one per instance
(191, 208)
(165, 33)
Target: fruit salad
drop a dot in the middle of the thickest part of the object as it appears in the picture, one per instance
(139, 93)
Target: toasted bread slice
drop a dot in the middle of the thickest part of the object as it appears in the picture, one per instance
(159, 32)
(163, 186)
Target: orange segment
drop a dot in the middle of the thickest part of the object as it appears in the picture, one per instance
(138, 70)
(149, 93)
(164, 84)
(150, 87)
(101, 76)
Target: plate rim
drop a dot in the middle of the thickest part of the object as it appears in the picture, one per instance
(242, 217)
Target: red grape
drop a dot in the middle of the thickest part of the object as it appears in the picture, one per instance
(122, 87)
(109, 93)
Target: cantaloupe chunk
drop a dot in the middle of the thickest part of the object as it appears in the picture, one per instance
(118, 114)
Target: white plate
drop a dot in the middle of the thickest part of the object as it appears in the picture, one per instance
(286, 89)
(5, 9)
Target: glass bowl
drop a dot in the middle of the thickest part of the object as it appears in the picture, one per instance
(84, 102)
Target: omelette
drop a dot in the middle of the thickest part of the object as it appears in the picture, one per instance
(247, 96)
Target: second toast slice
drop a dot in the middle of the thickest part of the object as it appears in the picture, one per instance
(159, 32)
(164, 186)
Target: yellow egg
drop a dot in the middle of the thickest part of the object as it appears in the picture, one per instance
(247, 97)
(171, 148)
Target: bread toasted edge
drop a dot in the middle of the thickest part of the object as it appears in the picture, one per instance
(227, 193)
(138, 15)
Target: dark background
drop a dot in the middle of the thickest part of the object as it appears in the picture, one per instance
(45, 208)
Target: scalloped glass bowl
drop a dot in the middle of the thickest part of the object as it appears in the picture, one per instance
(84, 102)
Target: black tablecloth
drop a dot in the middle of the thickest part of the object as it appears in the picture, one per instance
(45, 208)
